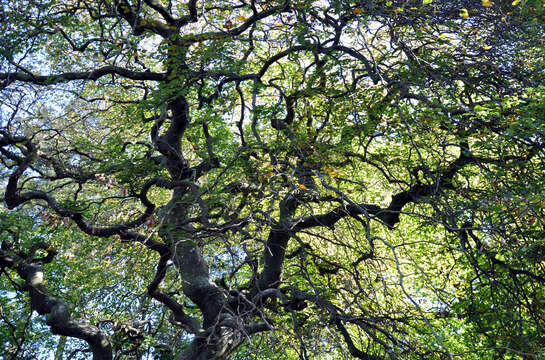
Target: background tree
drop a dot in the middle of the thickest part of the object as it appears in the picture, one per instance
(272, 179)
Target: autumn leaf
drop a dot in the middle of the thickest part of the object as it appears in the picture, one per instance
(228, 24)
(331, 172)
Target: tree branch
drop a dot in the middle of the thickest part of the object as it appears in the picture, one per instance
(57, 311)
(84, 75)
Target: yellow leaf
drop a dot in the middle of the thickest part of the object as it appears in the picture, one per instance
(486, 3)
(301, 186)
(241, 18)
(464, 14)
(330, 171)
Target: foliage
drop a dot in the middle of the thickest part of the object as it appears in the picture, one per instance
(272, 179)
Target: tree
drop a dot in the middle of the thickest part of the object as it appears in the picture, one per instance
(272, 179)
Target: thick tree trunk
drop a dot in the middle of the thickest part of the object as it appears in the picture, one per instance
(218, 346)
(187, 257)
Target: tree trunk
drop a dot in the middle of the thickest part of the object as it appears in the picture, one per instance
(219, 345)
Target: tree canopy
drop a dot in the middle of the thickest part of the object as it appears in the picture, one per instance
(284, 179)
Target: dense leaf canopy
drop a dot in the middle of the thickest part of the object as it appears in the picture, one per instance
(285, 179)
